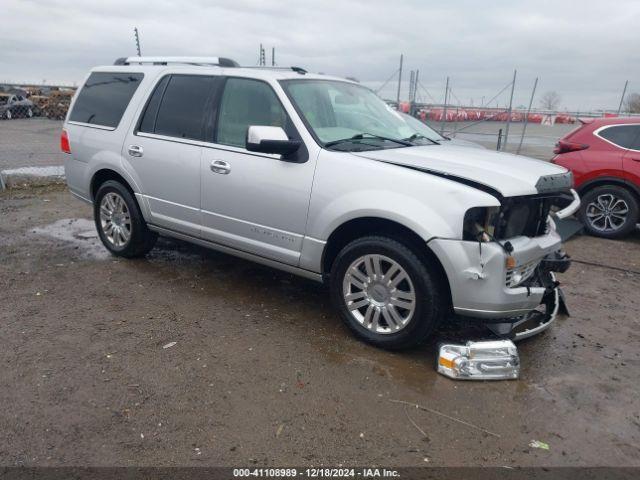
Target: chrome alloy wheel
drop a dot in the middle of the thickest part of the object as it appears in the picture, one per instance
(607, 213)
(115, 220)
(379, 294)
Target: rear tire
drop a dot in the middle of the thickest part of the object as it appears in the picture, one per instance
(385, 294)
(609, 211)
(119, 221)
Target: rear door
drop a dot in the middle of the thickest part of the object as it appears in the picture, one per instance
(631, 160)
(165, 148)
(606, 159)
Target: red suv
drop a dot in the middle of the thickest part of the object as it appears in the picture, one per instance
(604, 156)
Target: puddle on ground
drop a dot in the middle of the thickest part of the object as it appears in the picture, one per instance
(80, 232)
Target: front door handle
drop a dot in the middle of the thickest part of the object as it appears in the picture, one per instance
(135, 151)
(221, 167)
(635, 159)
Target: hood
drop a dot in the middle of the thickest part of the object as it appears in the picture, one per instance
(508, 174)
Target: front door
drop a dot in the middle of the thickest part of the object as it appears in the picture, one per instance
(254, 202)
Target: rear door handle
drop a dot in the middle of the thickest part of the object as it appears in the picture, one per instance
(635, 159)
(135, 151)
(221, 167)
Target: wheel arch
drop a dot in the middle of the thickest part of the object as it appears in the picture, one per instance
(365, 226)
(605, 181)
(103, 175)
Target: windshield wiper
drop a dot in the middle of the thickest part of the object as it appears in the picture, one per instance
(417, 136)
(361, 136)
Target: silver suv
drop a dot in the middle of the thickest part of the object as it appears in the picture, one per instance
(317, 176)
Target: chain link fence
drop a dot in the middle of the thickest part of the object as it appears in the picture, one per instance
(50, 102)
(30, 124)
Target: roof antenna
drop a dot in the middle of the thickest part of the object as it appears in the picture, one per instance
(135, 31)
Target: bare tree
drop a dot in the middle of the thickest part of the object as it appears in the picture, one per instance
(632, 103)
(550, 100)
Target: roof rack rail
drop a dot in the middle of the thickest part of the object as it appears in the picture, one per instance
(299, 70)
(217, 61)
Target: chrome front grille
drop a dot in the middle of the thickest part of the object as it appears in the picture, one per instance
(519, 274)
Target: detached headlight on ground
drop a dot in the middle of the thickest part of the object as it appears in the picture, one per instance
(492, 360)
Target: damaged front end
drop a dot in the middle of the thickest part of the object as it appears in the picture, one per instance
(511, 287)
(502, 272)
(551, 304)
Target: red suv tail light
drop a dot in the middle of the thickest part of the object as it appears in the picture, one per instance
(64, 142)
(565, 147)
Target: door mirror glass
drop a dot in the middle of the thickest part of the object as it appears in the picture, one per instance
(273, 140)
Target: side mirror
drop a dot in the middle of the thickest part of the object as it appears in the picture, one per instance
(270, 140)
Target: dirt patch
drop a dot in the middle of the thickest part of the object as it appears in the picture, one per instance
(263, 372)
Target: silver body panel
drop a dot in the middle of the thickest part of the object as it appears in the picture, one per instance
(477, 279)
(282, 213)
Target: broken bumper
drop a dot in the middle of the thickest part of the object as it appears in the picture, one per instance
(483, 287)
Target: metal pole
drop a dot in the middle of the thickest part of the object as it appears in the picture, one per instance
(273, 56)
(506, 132)
(415, 90)
(444, 111)
(135, 30)
(455, 124)
(499, 139)
(526, 118)
(624, 91)
(411, 78)
(399, 82)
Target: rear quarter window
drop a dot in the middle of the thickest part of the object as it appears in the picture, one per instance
(104, 98)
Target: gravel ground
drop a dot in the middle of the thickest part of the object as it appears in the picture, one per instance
(33, 142)
(262, 371)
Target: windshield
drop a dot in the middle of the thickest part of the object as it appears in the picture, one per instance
(422, 128)
(344, 116)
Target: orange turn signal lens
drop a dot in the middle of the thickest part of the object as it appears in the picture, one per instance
(446, 362)
(510, 262)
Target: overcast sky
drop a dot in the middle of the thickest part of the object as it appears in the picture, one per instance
(584, 50)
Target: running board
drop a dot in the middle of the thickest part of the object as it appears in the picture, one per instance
(238, 253)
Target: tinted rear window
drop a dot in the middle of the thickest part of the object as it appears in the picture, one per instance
(625, 136)
(104, 98)
(185, 109)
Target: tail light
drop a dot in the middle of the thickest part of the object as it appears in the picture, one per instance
(564, 146)
(64, 142)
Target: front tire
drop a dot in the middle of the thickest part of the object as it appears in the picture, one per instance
(609, 211)
(385, 293)
(119, 222)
